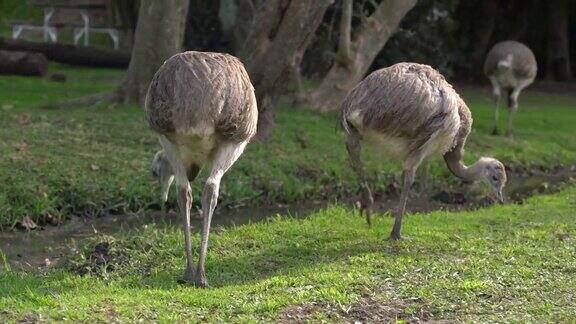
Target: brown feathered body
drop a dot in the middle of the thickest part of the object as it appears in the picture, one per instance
(203, 107)
(409, 110)
(511, 63)
(199, 100)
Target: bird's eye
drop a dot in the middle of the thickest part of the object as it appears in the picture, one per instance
(495, 178)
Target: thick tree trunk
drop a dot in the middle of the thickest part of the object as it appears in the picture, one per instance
(159, 35)
(484, 14)
(279, 33)
(236, 19)
(558, 56)
(344, 54)
(23, 63)
(374, 32)
(70, 54)
(124, 15)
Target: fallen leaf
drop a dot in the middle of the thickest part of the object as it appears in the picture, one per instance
(94, 167)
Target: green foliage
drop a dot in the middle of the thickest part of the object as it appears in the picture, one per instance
(422, 37)
(505, 263)
(94, 160)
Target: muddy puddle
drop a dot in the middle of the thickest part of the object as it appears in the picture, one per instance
(46, 247)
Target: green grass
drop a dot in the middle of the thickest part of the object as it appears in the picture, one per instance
(504, 263)
(94, 160)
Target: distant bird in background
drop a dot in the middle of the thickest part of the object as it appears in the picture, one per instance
(202, 106)
(511, 67)
(410, 113)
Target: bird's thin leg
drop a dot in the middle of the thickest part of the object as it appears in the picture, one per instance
(496, 113)
(165, 183)
(408, 176)
(354, 149)
(497, 95)
(224, 159)
(512, 108)
(184, 204)
(425, 177)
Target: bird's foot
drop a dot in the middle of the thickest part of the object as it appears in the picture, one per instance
(367, 212)
(201, 282)
(187, 278)
(399, 237)
(366, 204)
(495, 131)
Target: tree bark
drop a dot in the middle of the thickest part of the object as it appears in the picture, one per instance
(124, 14)
(280, 31)
(558, 56)
(483, 19)
(159, 35)
(344, 55)
(70, 54)
(373, 34)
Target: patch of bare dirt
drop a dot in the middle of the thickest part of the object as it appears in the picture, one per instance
(42, 245)
(367, 310)
(31, 318)
(101, 258)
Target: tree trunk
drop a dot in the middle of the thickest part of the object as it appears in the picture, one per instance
(373, 34)
(344, 55)
(483, 19)
(558, 58)
(124, 14)
(159, 35)
(70, 54)
(280, 31)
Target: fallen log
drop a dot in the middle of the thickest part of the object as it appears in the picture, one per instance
(23, 63)
(70, 54)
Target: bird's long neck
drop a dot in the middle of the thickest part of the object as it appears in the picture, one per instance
(456, 165)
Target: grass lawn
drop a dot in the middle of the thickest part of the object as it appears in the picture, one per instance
(94, 160)
(504, 263)
(512, 263)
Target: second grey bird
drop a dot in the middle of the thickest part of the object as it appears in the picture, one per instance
(202, 106)
(511, 67)
(410, 113)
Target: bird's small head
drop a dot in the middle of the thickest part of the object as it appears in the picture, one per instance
(162, 172)
(494, 173)
(158, 165)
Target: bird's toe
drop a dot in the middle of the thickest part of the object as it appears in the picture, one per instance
(201, 283)
(395, 237)
(185, 281)
(187, 278)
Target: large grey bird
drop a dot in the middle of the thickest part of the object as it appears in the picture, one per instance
(411, 113)
(202, 106)
(511, 67)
